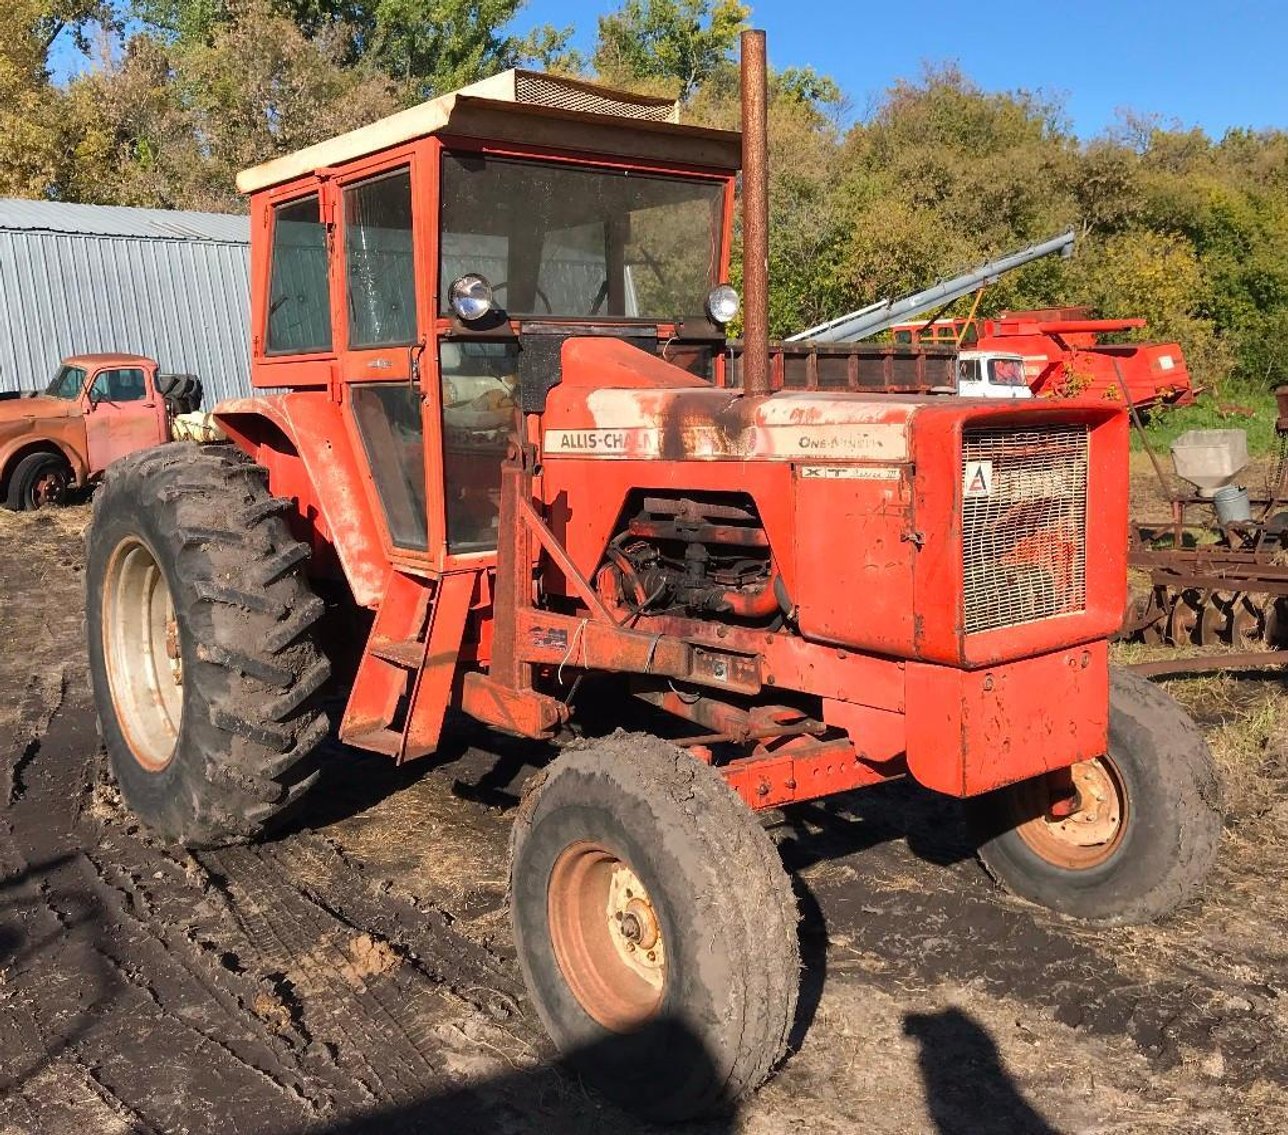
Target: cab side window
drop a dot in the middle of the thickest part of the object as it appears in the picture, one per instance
(124, 384)
(389, 422)
(299, 293)
(380, 275)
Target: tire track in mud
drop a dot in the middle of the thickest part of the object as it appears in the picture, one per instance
(372, 991)
(263, 988)
(95, 982)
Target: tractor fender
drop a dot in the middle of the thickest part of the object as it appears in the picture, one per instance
(301, 439)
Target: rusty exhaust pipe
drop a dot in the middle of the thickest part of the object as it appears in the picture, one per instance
(755, 215)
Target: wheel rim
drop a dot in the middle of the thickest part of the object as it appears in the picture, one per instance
(1089, 834)
(49, 488)
(607, 937)
(141, 648)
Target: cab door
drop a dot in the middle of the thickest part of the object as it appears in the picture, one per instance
(123, 413)
(384, 231)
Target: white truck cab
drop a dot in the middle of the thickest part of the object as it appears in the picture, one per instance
(991, 374)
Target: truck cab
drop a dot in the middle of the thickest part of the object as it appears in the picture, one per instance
(991, 374)
(96, 408)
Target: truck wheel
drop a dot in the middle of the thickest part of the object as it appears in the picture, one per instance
(655, 926)
(201, 645)
(39, 480)
(1145, 825)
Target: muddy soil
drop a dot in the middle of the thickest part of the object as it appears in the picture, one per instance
(355, 973)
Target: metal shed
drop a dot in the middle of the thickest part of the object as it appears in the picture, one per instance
(84, 278)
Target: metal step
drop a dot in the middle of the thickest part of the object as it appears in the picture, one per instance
(387, 741)
(409, 653)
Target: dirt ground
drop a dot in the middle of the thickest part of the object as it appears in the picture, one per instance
(355, 973)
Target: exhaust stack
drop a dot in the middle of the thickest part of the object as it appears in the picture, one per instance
(755, 215)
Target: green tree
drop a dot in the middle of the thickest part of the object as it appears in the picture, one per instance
(430, 46)
(30, 127)
(170, 124)
(679, 43)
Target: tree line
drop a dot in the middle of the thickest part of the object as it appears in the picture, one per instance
(167, 99)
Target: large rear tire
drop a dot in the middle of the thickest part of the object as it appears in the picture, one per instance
(655, 926)
(201, 646)
(1145, 830)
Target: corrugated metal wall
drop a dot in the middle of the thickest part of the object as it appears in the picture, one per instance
(183, 302)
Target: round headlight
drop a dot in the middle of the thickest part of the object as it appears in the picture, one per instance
(722, 303)
(471, 297)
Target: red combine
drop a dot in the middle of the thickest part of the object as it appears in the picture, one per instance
(512, 434)
(1064, 356)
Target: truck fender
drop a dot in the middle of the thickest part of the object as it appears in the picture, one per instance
(17, 448)
(302, 441)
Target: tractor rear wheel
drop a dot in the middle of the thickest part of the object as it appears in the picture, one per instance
(1144, 825)
(655, 926)
(201, 644)
(39, 480)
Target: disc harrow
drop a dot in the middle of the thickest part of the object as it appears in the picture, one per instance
(1214, 583)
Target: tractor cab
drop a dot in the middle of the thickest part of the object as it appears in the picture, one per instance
(427, 269)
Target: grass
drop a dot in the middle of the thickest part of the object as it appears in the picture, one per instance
(1242, 716)
(1236, 407)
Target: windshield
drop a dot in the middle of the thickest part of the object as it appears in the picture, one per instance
(1006, 372)
(556, 239)
(67, 383)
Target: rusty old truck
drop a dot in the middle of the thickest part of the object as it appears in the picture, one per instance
(95, 409)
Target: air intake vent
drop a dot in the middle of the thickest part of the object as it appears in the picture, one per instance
(1024, 522)
(567, 94)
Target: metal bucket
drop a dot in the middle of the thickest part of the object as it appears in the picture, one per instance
(1232, 505)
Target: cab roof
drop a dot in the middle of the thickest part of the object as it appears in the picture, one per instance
(524, 106)
(113, 358)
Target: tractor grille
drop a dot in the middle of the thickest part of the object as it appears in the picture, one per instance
(1024, 522)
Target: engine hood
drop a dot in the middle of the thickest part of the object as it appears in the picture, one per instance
(41, 406)
(616, 401)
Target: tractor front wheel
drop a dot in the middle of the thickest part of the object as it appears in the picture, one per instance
(1138, 833)
(655, 926)
(202, 652)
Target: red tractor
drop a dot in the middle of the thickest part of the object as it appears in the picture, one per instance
(515, 434)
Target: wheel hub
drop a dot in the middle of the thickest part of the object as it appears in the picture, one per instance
(1090, 831)
(634, 925)
(606, 936)
(49, 488)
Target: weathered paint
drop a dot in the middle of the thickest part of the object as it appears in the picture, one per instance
(89, 435)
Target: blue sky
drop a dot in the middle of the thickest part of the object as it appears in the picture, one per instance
(1214, 64)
